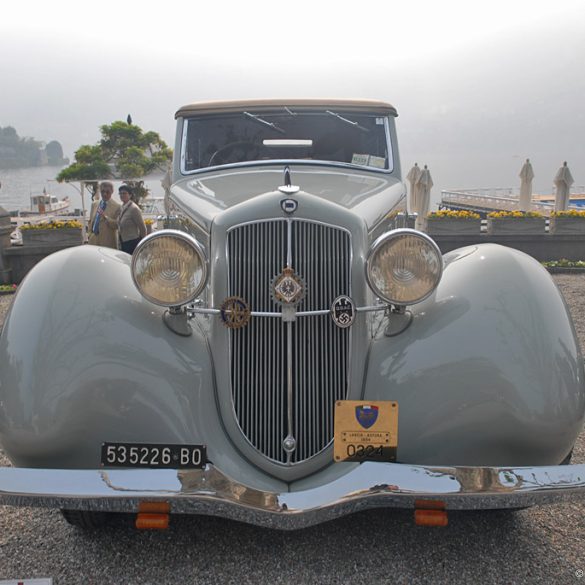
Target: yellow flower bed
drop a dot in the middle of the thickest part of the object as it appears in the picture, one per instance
(569, 213)
(53, 225)
(450, 214)
(505, 214)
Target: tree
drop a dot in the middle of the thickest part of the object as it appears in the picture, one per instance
(125, 151)
(54, 152)
(18, 152)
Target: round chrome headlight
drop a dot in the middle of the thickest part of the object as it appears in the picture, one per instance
(169, 268)
(404, 267)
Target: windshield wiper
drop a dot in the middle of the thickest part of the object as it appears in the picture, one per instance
(265, 122)
(350, 122)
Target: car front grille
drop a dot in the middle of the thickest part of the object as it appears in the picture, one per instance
(259, 352)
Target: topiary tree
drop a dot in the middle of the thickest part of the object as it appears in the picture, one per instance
(125, 151)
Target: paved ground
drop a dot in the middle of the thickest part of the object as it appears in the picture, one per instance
(540, 545)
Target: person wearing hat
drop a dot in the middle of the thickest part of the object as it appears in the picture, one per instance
(103, 218)
(130, 223)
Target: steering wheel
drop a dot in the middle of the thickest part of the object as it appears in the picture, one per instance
(240, 148)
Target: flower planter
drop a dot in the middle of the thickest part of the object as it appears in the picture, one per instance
(567, 225)
(515, 225)
(52, 237)
(438, 226)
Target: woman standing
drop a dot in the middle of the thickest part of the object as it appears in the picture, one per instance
(130, 222)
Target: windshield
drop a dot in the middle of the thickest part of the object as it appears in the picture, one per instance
(327, 136)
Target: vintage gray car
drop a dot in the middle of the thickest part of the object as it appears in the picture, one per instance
(287, 350)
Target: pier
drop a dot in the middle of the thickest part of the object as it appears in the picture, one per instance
(484, 201)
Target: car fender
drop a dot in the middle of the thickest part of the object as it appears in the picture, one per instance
(489, 372)
(84, 359)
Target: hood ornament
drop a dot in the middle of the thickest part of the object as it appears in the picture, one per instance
(288, 188)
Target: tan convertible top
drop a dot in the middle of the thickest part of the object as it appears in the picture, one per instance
(216, 107)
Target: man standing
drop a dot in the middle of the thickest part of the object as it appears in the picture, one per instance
(130, 222)
(103, 218)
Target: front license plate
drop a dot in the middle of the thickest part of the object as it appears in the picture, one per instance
(365, 431)
(159, 456)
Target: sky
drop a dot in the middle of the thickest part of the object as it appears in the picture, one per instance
(479, 86)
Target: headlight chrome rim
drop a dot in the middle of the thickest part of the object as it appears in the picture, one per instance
(191, 241)
(383, 240)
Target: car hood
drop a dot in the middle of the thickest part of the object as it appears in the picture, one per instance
(369, 195)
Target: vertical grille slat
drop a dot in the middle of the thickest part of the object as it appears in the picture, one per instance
(321, 256)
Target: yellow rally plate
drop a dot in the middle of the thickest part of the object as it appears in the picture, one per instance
(365, 431)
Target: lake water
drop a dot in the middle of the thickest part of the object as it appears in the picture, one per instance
(18, 185)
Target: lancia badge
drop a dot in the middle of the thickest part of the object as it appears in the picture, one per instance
(288, 287)
(343, 311)
(366, 415)
(235, 312)
(289, 205)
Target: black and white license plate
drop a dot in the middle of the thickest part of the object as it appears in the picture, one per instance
(150, 455)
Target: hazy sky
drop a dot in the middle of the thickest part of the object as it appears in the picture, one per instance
(479, 87)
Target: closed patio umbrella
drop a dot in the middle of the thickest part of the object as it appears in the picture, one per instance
(526, 176)
(423, 197)
(563, 182)
(412, 177)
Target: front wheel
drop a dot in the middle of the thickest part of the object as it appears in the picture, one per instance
(85, 519)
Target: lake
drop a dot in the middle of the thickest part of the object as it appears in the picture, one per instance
(18, 185)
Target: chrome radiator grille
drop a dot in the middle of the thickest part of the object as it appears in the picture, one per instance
(321, 255)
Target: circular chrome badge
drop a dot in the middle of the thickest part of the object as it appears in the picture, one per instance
(343, 311)
(235, 312)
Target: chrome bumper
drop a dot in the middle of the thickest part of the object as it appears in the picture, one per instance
(369, 485)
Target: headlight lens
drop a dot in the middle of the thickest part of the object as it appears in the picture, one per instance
(169, 268)
(404, 267)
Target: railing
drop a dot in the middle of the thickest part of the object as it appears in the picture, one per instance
(500, 199)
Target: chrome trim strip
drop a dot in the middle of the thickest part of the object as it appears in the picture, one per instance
(365, 486)
(286, 161)
(289, 388)
(198, 310)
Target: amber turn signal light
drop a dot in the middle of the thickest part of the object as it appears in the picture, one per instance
(152, 521)
(153, 516)
(430, 518)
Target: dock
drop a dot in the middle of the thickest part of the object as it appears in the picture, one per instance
(487, 200)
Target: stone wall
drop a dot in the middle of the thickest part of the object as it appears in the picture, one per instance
(16, 261)
(543, 247)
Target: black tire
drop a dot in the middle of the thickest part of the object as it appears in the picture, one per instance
(567, 459)
(85, 519)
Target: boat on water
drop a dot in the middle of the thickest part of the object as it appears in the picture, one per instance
(45, 204)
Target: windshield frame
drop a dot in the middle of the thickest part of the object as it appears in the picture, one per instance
(286, 161)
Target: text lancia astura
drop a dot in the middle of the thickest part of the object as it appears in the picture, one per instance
(286, 351)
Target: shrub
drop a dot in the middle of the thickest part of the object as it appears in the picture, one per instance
(505, 214)
(449, 213)
(52, 225)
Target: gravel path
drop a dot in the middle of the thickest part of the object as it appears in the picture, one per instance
(539, 545)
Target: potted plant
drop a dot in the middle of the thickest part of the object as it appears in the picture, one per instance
(515, 222)
(7, 289)
(53, 233)
(149, 223)
(567, 222)
(447, 221)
